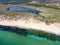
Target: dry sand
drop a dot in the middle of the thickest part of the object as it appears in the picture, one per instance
(34, 24)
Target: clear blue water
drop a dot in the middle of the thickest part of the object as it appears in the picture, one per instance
(9, 38)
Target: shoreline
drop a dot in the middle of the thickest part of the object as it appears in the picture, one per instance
(34, 24)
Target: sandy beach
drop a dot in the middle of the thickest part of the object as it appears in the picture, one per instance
(34, 24)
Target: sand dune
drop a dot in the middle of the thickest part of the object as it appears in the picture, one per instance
(31, 23)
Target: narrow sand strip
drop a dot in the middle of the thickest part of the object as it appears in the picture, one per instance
(53, 28)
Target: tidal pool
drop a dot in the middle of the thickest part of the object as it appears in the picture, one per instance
(10, 38)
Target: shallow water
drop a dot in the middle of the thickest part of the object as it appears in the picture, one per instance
(9, 38)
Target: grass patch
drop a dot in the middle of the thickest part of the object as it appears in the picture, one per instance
(48, 15)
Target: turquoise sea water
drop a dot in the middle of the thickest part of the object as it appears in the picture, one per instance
(9, 38)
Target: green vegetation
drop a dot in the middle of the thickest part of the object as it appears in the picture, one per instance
(47, 14)
(4, 10)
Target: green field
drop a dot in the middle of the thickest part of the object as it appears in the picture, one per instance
(47, 14)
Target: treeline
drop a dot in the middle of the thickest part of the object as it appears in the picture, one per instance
(44, 5)
(14, 1)
(55, 7)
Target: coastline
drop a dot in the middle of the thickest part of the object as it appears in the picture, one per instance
(34, 24)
